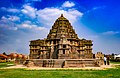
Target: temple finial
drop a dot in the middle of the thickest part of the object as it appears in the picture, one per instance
(61, 15)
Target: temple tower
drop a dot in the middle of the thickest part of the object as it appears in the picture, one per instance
(61, 43)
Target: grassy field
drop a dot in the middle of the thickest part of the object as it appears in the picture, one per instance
(6, 64)
(24, 73)
(113, 62)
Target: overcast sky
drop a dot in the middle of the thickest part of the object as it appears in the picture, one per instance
(25, 20)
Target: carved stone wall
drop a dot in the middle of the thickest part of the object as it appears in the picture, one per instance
(62, 63)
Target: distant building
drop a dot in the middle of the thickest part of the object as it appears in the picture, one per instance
(14, 56)
(61, 43)
(117, 56)
(3, 57)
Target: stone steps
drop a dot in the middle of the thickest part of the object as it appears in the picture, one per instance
(81, 63)
(66, 63)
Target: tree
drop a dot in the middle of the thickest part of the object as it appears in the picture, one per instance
(113, 54)
(4, 53)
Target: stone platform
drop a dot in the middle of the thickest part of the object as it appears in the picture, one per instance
(62, 63)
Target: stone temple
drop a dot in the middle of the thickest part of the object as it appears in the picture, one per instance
(62, 45)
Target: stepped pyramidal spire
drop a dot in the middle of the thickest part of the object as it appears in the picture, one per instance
(62, 26)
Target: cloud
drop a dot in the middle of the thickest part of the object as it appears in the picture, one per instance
(3, 18)
(7, 23)
(30, 11)
(110, 33)
(18, 41)
(99, 7)
(29, 25)
(36, 0)
(13, 18)
(68, 4)
(25, 32)
(32, 0)
(48, 15)
(13, 10)
(95, 8)
(34, 17)
(35, 20)
(8, 18)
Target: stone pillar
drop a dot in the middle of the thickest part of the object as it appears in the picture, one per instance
(52, 49)
(65, 64)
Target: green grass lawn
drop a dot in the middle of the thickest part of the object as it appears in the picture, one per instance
(24, 73)
(113, 62)
(6, 64)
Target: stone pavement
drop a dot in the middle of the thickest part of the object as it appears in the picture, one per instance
(103, 67)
